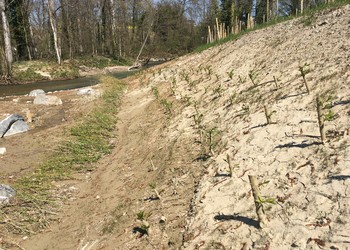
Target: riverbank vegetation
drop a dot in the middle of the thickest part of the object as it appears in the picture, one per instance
(62, 30)
(36, 70)
(88, 140)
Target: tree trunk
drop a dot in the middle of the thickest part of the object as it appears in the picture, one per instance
(113, 27)
(53, 23)
(7, 39)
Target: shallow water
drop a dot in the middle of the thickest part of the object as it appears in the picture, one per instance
(55, 85)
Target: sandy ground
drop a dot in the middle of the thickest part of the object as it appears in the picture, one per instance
(47, 129)
(178, 141)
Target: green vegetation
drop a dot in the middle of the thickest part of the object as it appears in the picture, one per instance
(87, 143)
(155, 92)
(230, 74)
(329, 116)
(304, 70)
(267, 200)
(25, 71)
(143, 216)
(99, 62)
(167, 105)
(28, 75)
(253, 74)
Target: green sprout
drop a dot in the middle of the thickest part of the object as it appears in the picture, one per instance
(230, 74)
(252, 76)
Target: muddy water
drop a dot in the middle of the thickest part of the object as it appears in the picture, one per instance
(49, 86)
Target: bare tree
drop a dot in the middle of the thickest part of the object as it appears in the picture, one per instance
(7, 39)
(53, 22)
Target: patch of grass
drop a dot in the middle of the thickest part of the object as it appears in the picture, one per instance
(87, 143)
(69, 69)
(28, 75)
(167, 105)
(99, 62)
(309, 20)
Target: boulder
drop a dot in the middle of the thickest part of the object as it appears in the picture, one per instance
(47, 100)
(17, 127)
(86, 91)
(36, 92)
(6, 124)
(6, 192)
(2, 151)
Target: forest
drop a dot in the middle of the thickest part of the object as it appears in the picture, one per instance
(65, 29)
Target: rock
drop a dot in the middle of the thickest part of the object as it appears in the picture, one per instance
(47, 100)
(17, 127)
(6, 124)
(2, 151)
(323, 23)
(6, 192)
(86, 91)
(162, 220)
(36, 92)
(84, 68)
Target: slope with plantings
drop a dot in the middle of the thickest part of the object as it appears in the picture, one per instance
(273, 104)
(242, 146)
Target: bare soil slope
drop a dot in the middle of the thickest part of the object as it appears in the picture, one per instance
(180, 123)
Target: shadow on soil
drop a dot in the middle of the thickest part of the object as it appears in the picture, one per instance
(245, 220)
(298, 145)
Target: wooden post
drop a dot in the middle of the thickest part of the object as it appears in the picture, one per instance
(236, 25)
(256, 194)
(248, 22)
(228, 159)
(267, 10)
(320, 119)
(303, 74)
(209, 35)
(267, 115)
(275, 80)
(218, 28)
(301, 6)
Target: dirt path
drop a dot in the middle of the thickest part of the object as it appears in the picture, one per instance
(101, 213)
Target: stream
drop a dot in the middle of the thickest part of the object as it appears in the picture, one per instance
(55, 85)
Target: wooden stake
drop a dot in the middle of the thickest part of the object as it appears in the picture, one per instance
(228, 159)
(153, 167)
(210, 35)
(267, 10)
(268, 115)
(248, 22)
(256, 194)
(320, 119)
(303, 74)
(236, 25)
(276, 82)
(218, 28)
(157, 194)
(301, 6)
